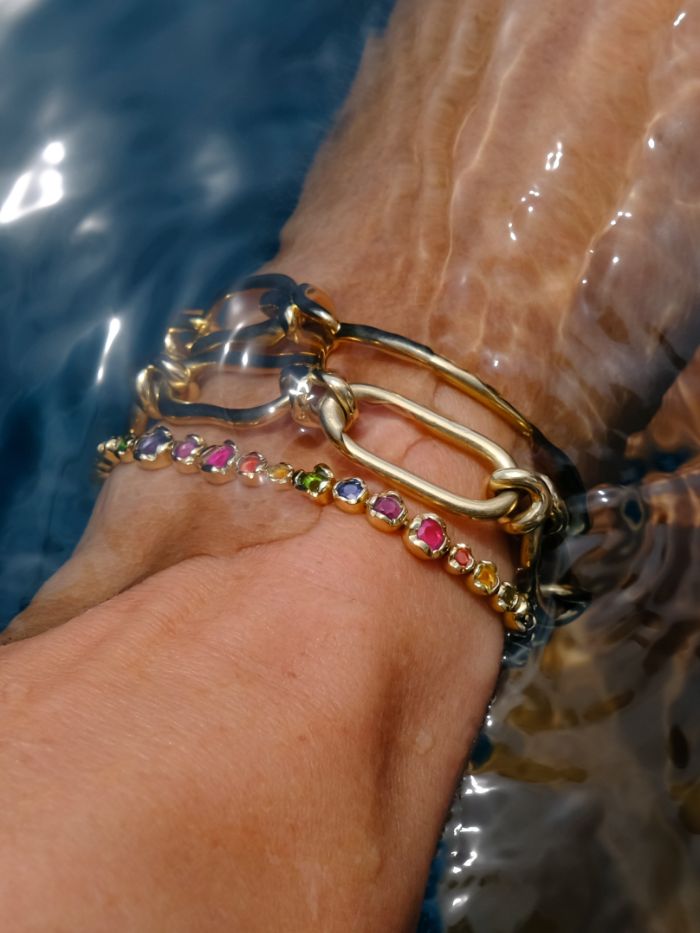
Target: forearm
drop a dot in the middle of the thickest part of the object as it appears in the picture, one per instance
(492, 189)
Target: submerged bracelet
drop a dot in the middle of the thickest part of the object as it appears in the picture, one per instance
(425, 534)
(294, 333)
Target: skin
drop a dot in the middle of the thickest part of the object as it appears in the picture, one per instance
(239, 708)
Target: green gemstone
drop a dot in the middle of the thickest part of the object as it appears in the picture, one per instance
(312, 482)
(122, 445)
(316, 483)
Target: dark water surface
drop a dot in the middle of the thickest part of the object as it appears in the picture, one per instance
(151, 152)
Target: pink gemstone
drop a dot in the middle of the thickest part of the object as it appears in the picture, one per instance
(251, 463)
(221, 456)
(463, 557)
(185, 449)
(430, 532)
(389, 506)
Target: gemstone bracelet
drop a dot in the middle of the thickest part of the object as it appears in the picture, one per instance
(425, 535)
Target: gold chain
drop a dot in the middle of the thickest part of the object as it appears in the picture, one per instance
(296, 337)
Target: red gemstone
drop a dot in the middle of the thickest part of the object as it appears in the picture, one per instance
(430, 532)
(251, 463)
(463, 556)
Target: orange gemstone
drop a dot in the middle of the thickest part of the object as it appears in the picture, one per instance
(485, 578)
(486, 574)
(280, 472)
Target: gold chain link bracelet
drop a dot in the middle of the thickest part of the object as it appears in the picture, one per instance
(295, 336)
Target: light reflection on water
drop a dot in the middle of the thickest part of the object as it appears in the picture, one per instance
(38, 187)
(151, 153)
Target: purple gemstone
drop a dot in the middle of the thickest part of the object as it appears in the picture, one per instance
(148, 444)
(388, 506)
(186, 448)
(350, 490)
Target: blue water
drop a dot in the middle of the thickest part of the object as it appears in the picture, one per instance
(151, 151)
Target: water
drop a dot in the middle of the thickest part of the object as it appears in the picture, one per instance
(582, 808)
(151, 153)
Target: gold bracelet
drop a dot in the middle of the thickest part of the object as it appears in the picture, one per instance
(295, 334)
(425, 534)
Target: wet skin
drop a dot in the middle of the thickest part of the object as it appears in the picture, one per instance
(248, 696)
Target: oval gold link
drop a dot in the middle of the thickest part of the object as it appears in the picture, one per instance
(334, 423)
(148, 384)
(305, 314)
(182, 333)
(265, 334)
(178, 377)
(158, 401)
(402, 347)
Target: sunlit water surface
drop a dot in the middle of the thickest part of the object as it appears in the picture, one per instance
(151, 152)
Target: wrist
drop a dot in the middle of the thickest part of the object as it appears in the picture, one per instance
(276, 677)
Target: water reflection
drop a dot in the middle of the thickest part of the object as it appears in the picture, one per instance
(39, 187)
(553, 160)
(575, 738)
(113, 329)
(11, 10)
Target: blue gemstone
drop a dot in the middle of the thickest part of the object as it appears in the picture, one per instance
(350, 490)
(148, 444)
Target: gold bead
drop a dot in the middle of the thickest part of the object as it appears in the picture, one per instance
(505, 598)
(520, 619)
